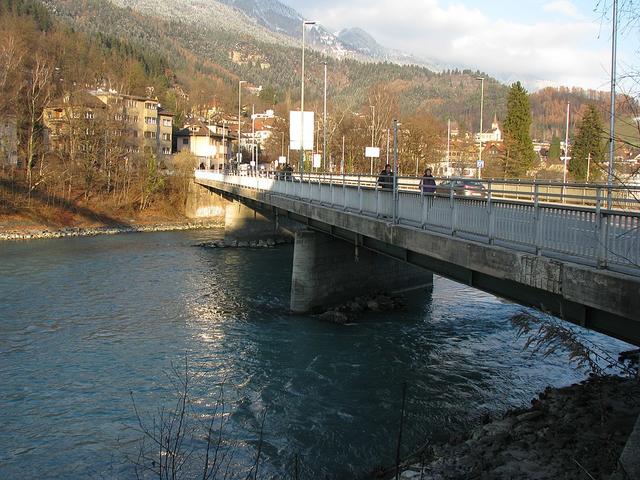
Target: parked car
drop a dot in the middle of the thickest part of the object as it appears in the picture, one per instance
(462, 187)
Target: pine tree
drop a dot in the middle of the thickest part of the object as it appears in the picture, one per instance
(520, 155)
(588, 152)
(554, 149)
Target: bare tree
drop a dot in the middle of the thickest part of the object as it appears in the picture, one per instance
(37, 92)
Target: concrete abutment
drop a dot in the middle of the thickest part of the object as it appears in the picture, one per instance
(328, 271)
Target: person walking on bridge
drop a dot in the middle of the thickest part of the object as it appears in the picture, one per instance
(385, 179)
(427, 182)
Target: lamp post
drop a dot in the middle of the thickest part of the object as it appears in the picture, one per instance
(612, 125)
(324, 121)
(480, 136)
(304, 24)
(224, 150)
(240, 82)
(254, 160)
(373, 126)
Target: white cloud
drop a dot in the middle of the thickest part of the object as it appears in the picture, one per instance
(562, 6)
(538, 52)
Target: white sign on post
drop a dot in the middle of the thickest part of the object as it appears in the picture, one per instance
(373, 152)
(480, 163)
(294, 130)
(317, 160)
(282, 160)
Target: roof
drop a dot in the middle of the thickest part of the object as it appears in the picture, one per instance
(201, 129)
(79, 98)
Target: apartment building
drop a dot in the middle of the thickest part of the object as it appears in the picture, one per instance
(86, 119)
(146, 125)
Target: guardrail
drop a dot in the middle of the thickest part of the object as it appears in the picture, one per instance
(580, 230)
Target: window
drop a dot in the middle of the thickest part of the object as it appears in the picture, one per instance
(150, 120)
(185, 141)
(150, 106)
(166, 150)
(166, 137)
(166, 122)
(134, 134)
(150, 135)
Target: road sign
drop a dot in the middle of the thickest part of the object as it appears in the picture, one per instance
(317, 160)
(480, 163)
(373, 152)
(282, 160)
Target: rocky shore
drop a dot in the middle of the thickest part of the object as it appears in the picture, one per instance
(575, 432)
(351, 310)
(103, 230)
(262, 243)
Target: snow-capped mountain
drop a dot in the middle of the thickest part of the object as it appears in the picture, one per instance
(271, 21)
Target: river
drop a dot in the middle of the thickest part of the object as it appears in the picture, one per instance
(90, 327)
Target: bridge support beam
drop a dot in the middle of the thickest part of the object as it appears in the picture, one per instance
(328, 271)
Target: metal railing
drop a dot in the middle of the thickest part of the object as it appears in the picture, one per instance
(567, 222)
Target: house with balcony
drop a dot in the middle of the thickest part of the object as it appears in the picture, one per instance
(75, 123)
(211, 144)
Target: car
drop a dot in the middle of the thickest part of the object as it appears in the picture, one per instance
(462, 187)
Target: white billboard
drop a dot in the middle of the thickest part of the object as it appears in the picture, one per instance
(294, 130)
(282, 160)
(317, 160)
(373, 152)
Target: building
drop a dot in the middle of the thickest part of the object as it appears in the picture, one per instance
(75, 123)
(9, 140)
(494, 134)
(83, 119)
(147, 127)
(211, 144)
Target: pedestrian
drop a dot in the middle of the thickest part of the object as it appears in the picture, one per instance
(427, 182)
(385, 179)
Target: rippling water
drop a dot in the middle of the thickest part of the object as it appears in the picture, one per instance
(87, 324)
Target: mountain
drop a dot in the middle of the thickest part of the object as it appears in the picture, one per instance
(361, 41)
(274, 22)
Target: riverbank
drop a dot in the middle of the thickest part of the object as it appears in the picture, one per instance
(41, 233)
(574, 432)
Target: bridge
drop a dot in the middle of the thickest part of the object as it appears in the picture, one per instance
(572, 251)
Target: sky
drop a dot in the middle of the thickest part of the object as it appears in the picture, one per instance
(540, 43)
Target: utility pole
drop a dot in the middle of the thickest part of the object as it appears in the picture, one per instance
(342, 163)
(612, 125)
(481, 114)
(240, 82)
(395, 169)
(304, 24)
(448, 146)
(566, 154)
(373, 123)
(324, 122)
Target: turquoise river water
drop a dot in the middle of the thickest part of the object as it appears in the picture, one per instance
(90, 327)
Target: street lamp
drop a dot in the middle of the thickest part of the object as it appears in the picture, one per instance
(324, 121)
(240, 82)
(480, 136)
(304, 24)
(373, 126)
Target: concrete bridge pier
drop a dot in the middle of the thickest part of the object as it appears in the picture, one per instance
(328, 271)
(245, 224)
